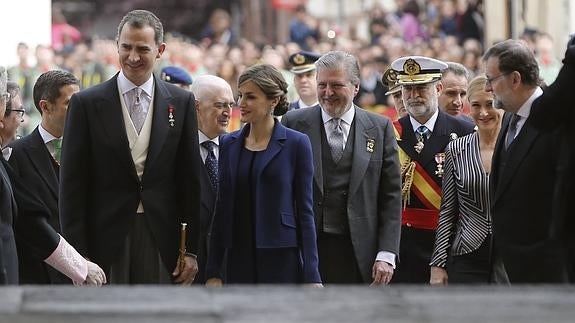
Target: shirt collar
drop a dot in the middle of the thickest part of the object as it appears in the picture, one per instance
(126, 85)
(46, 136)
(525, 109)
(303, 105)
(202, 137)
(430, 124)
(347, 116)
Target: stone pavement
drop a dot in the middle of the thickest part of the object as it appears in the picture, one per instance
(402, 304)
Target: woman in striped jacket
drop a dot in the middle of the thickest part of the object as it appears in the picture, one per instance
(463, 238)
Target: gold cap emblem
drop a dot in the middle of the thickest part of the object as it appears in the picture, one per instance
(411, 67)
(299, 59)
(390, 77)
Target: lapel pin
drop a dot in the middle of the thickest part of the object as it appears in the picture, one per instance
(370, 145)
(171, 119)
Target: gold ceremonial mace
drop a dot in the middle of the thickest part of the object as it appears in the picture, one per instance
(181, 258)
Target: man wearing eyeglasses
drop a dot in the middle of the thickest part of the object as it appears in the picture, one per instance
(13, 117)
(524, 173)
(214, 103)
(422, 137)
(8, 254)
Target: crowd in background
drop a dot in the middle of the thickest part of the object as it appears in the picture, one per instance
(444, 29)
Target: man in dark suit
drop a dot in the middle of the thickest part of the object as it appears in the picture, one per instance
(214, 102)
(524, 173)
(422, 137)
(8, 254)
(553, 111)
(35, 159)
(303, 68)
(357, 197)
(130, 167)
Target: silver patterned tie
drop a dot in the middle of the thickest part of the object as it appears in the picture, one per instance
(335, 140)
(137, 109)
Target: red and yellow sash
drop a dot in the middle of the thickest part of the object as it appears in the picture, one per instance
(415, 177)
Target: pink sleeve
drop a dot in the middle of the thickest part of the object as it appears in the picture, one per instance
(69, 262)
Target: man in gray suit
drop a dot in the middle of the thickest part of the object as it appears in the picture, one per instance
(357, 192)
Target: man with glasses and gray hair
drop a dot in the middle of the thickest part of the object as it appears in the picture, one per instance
(13, 117)
(524, 173)
(8, 254)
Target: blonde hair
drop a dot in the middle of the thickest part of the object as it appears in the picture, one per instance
(477, 84)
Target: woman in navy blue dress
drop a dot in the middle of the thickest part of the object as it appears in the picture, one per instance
(263, 229)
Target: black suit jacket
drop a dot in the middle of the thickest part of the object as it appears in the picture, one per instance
(8, 254)
(100, 189)
(208, 202)
(37, 170)
(522, 203)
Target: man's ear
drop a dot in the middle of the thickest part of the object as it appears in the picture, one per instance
(439, 87)
(44, 106)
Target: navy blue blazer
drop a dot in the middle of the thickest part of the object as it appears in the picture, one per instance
(283, 198)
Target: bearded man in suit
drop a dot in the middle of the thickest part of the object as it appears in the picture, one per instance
(422, 137)
(357, 193)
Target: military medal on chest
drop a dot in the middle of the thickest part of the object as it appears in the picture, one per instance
(419, 146)
(439, 159)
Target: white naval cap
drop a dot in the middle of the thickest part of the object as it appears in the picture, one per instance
(414, 70)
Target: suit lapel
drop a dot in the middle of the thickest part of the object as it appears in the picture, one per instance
(235, 149)
(312, 126)
(408, 139)
(364, 130)
(112, 121)
(274, 147)
(516, 154)
(41, 160)
(437, 142)
(160, 123)
(496, 159)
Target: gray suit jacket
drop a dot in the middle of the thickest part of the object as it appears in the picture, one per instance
(374, 197)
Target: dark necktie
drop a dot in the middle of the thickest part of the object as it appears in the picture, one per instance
(423, 133)
(335, 140)
(512, 131)
(211, 163)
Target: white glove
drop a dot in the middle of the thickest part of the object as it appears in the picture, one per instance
(69, 262)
